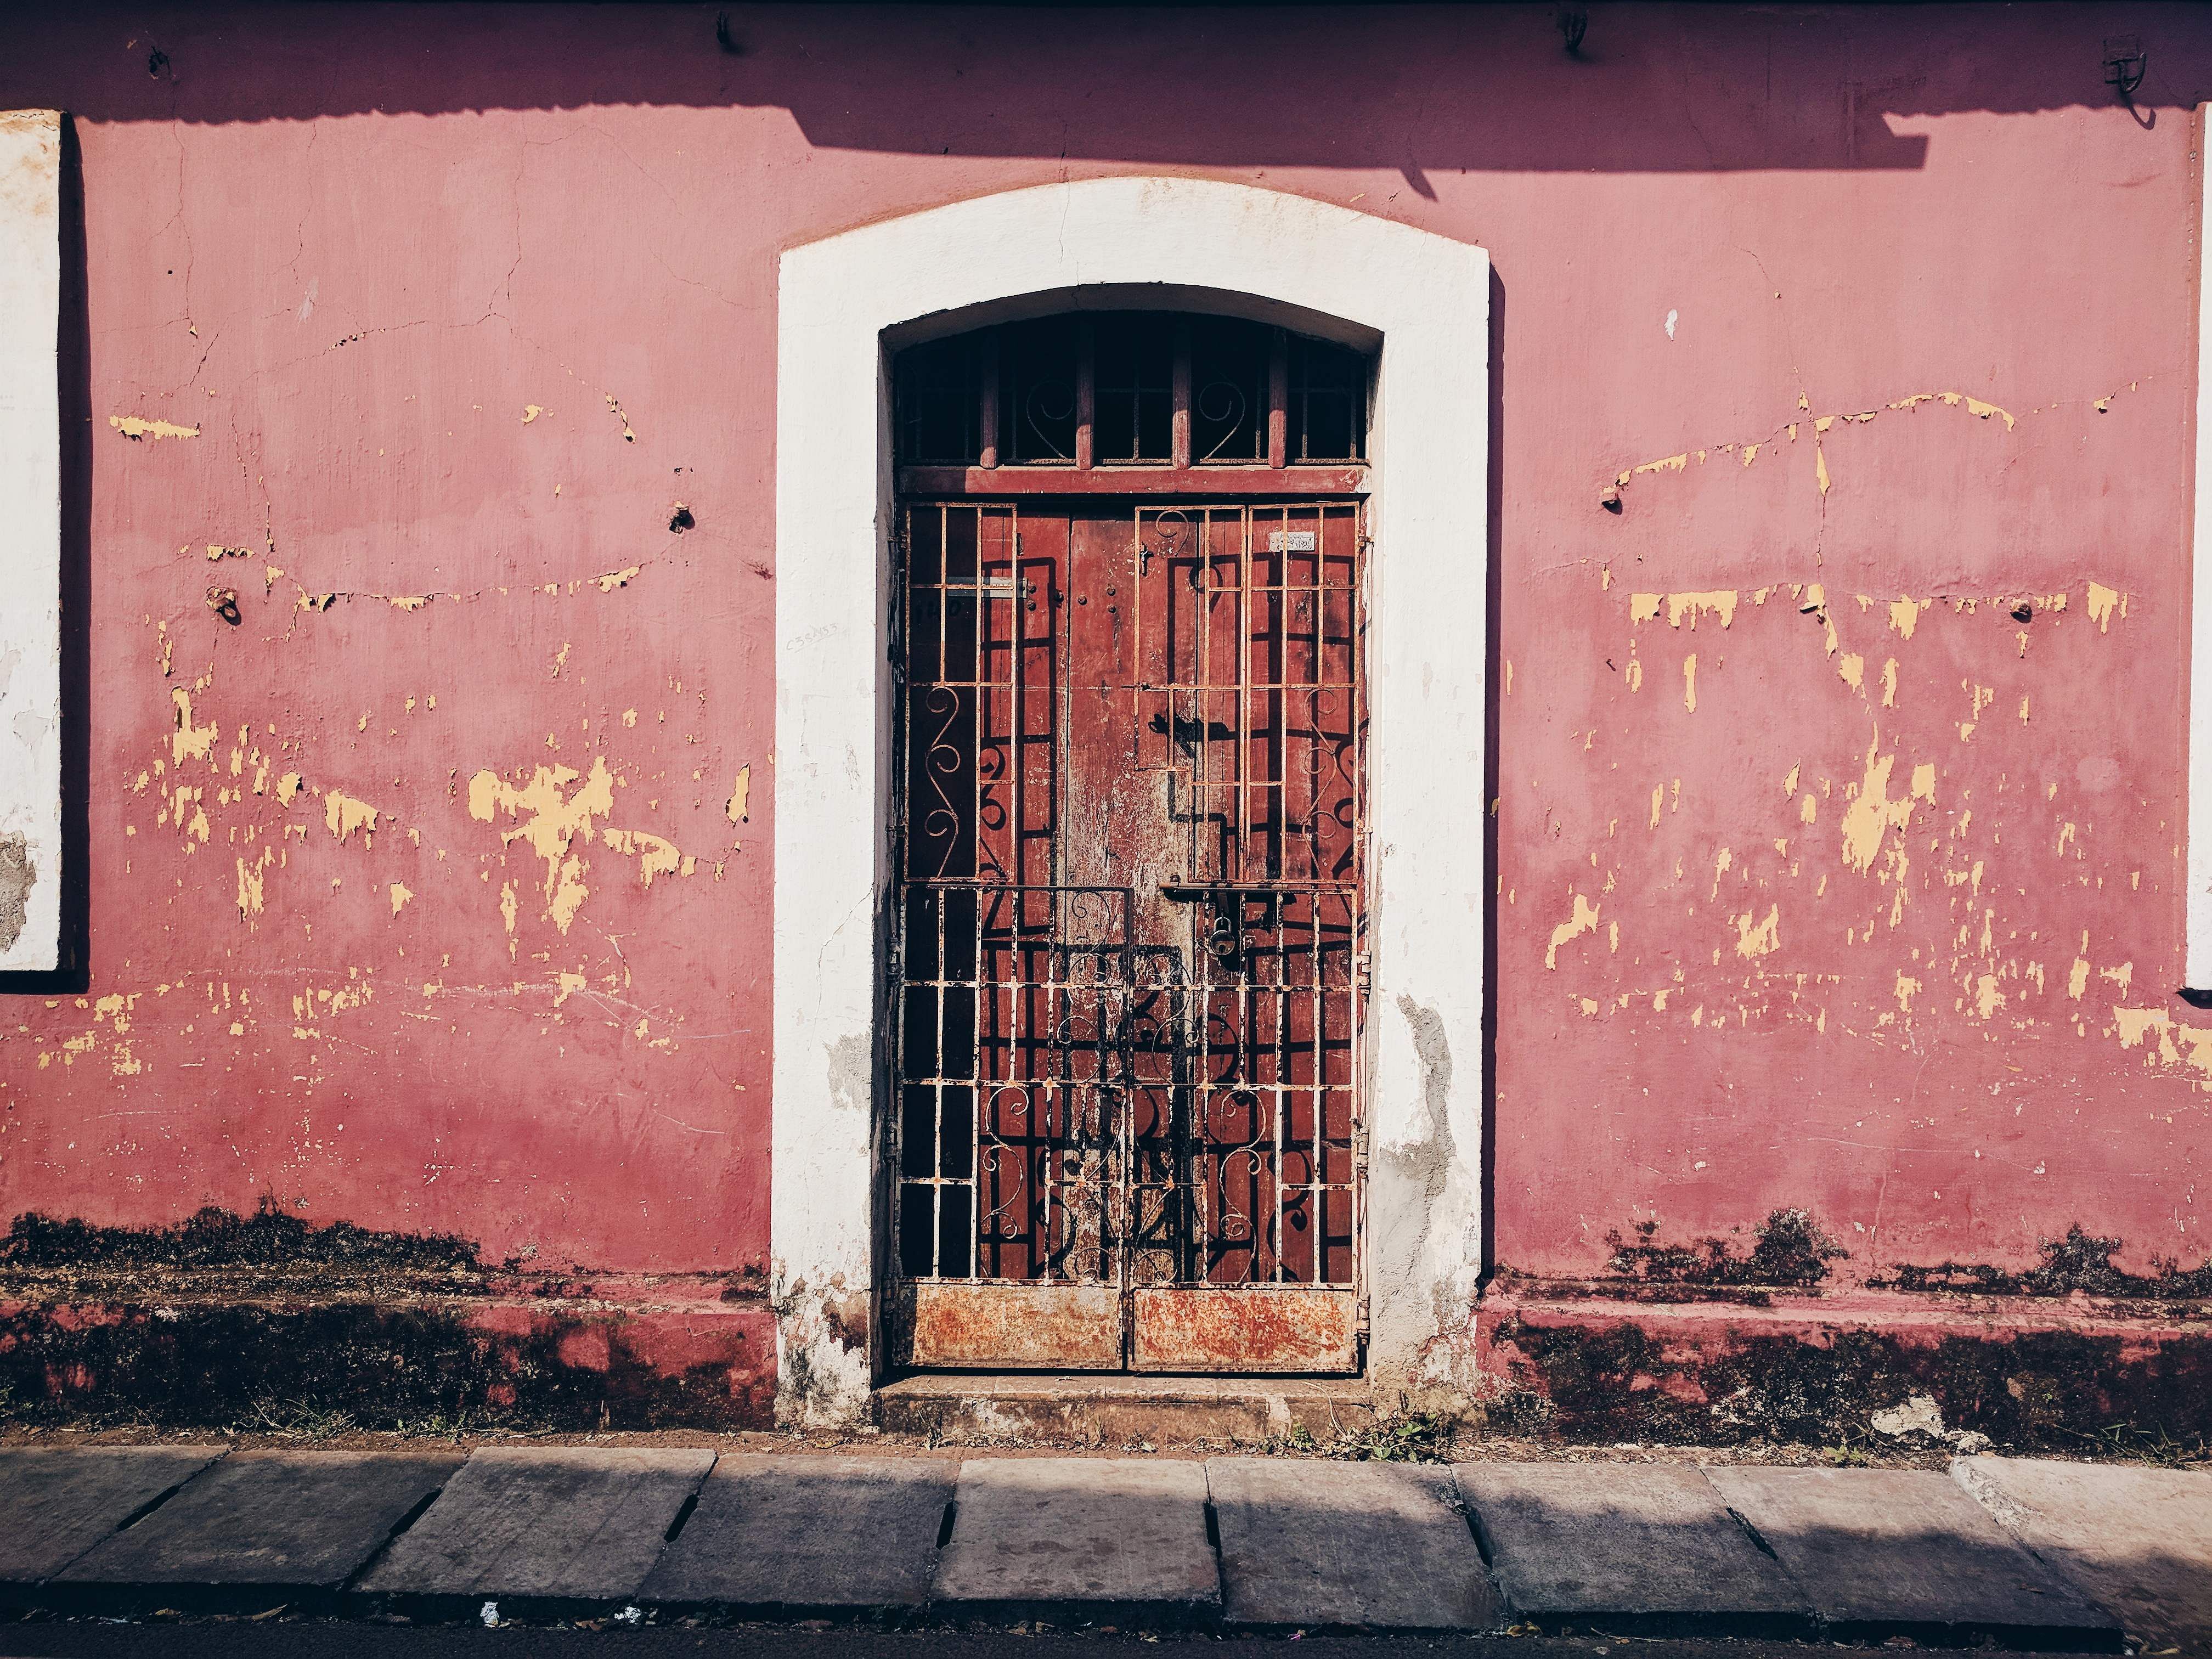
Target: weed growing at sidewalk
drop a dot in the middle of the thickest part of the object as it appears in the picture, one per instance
(1402, 1438)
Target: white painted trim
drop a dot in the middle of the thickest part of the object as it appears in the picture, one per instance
(2196, 971)
(30, 537)
(1428, 298)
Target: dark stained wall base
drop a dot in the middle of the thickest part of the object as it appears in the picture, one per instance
(429, 1366)
(2043, 1374)
(265, 1322)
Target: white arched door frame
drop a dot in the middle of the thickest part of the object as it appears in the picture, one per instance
(1427, 299)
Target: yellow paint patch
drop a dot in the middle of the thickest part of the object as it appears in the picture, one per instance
(1853, 669)
(1907, 989)
(530, 412)
(1904, 614)
(287, 787)
(1889, 684)
(1690, 682)
(1583, 920)
(614, 578)
(400, 894)
(735, 812)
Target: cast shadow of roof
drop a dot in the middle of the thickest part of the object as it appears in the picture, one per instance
(1418, 89)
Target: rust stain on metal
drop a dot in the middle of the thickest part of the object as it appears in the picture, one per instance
(1016, 1327)
(1271, 1330)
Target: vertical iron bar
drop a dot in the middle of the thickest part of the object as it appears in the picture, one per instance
(1086, 397)
(1279, 413)
(1241, 766)
(1179, 401)
(986, 401)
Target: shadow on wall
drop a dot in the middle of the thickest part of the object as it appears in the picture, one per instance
(1416, 88)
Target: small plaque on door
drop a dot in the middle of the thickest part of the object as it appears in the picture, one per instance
(1291, 541)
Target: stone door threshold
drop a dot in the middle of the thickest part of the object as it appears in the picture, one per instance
(1102, 1408)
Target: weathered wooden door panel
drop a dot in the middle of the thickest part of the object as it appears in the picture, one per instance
(1127, 971)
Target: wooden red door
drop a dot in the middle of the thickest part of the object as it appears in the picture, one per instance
(1128, 960)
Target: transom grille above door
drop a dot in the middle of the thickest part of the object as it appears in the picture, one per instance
(1130, 945)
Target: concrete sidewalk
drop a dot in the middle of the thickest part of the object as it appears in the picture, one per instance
(2024, 1554)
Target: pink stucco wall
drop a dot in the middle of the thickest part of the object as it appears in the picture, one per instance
(1877, 915)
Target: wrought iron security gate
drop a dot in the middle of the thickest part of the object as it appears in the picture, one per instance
(1129, 952)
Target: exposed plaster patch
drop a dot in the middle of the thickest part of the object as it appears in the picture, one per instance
(2175, 1045)
(315, 601)
(1748, 450)
(1583, 919)
(188, 741)
(656, 855)
(343, 815)
(1872, 813)
(551, 823)
(1760, 939)
(1720, 602)
(2102, 602)
(138, 429)
(17, 876)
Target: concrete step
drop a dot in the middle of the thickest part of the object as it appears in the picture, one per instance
(1119, 1411)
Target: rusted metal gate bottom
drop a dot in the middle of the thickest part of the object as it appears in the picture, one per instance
(1246, 1329)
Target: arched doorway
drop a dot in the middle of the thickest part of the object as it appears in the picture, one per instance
(1419, 304)
(1129, 942)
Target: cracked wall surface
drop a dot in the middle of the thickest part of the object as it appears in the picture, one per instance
(1843, 378)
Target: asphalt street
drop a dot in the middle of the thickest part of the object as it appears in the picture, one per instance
(280, 1640)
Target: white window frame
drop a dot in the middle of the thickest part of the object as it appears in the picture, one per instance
(30, 537)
